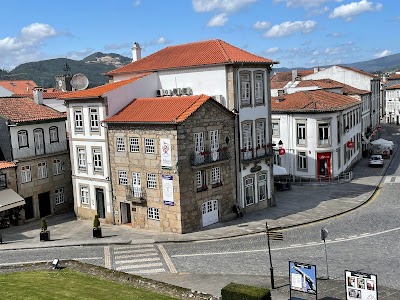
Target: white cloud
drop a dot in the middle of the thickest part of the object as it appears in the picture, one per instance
(81, 54)
(271, 50)
(161, 41)
(334, 50)
(348, 11)
(222, 5)
(218, 20)
(288, 28)
(383, 53)
(302, 3)
(136, 2)
(316, 52)
(262, 25)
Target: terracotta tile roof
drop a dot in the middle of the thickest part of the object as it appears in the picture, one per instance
(99, 91)
(360, 72)
(18, 86)
(312, 101)
(6, 164)
(393, 87)
(25, 110)
(50, 94)
(394, 77)
(280, 79)
(331, 84)
(160, 109)
(203, 53)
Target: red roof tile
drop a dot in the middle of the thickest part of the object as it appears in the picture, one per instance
(99, 91)
(280, 79)
(203, 53)
(394, 77)
(393, 87)
(6, 164)
(18, 86)
(26, 110)
(50, 94)
(312, 101)
(328, 83)
(159, 110)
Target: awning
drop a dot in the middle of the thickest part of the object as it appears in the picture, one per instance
(384, 143)
(10, 199)
(278, 170)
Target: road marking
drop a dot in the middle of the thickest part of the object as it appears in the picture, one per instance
(135, 255)
(107, 257)
(139, 266)
(134, 251)
(167, 259)
(132, 261)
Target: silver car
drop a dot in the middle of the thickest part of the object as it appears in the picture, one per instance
(376, 160)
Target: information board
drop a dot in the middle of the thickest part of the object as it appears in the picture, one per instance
(360, 286)
(303, 277)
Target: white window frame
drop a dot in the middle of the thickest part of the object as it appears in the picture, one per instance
(42, 170)
(94, 119)
(81, 153)
(214, 144)
(301, 134)
(84, 194)
(149, 145)
(97, 160)
(249, 187)
(215, 175)
(259, 88)
(324, 136)
(245, 88)
(78, 120)
(134, 146)
(57, 166)
(201, 180)
(302, 161)
(151, 180)
(120, 144)
(136, 184)
(153, 213)
(59, 196)
(26, 174)
(122, 177)
(262, 186)
(260, 133)
(275, 128)
(53, 132)
(23, 139)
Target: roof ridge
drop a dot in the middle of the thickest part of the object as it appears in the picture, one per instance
(191, 105)
(219, 43)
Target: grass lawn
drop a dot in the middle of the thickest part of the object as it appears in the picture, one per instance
(67, 284)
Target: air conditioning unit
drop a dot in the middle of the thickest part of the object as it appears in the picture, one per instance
(187, 91)
(177, 91)
(160, 93)
(167, 93)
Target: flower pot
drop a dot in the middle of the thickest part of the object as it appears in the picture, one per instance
(45, 236)
(97, 232)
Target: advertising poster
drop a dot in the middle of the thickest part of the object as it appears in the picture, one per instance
(166, 160)
(168, 190)
(303, 277)
(360, 286)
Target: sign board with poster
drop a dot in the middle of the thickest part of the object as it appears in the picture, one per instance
(303, 278)
(166, 161)
(168, 190)
(361, 286)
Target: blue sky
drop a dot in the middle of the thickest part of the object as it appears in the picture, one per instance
(297, 33)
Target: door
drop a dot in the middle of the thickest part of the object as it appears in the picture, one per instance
(28, 208)
(44, 204)
(39, 141)
(199, 147)
(100, 203)
(125, 213)
(324, 165)
(209, 212)
(136, 185)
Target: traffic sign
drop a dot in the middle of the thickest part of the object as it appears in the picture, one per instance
(324, 234)
(282, 151)
(274, 235)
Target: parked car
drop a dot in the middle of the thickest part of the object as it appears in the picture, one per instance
(376, 160)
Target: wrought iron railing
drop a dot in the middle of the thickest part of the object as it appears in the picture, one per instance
(136, 194)
(251, 154)
(209, 156)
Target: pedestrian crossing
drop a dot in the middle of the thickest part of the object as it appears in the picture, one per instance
(138, 259)
(392, 179)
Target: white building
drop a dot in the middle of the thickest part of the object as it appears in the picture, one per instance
(392, 111)
(319, 132)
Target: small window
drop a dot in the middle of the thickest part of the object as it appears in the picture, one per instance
(201, 181)
(23, 139)
(3, 181)
(94, 119)
(323, 134)
(26, 174)
(134, 144)
(215, 176)
(57, 167)
(123, 177)
(97, 162)
(302, 161)
(78, 118)
(84, 195)
(59, 196)
(259, 88)
(120, 144)
(245, 88)
(249, 190)
(153, 213)
(262, 187)
(42, 170)
(275, 128)
(149, 145)
(81, 159)
(53, 131)
(151, 181)
(301, 134)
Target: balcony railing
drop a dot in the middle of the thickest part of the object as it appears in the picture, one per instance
(248, 155)
(26, 152)
(208, 156)
(135, 194)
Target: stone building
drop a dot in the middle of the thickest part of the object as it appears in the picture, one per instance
(162, 178)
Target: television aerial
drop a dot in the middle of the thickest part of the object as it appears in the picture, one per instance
(79, 82)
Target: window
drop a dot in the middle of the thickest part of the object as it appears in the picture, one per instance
(122, 177)
(26, 175)
(78, 117)
(3, 181)
(23, 139)
(201, 181)
(259, 88)
(302, 160)
(94, 119)
(97, 163)
(59, 196)
(275, 128)
(53, 131)
(262, 187)
(153, 213)
(260, 133)
(249, 190)
(42, 170)
(214, 144)
(149, 145)
(136, 184)
(120, 141)
(84, 195)
(198, 142)
(57, 168)
(323, 134)
(247, 146)
(134, 144)
(245, 88)
(81, 159)
(215, 176)
(301, 134)
(38, 138)
(151, 181)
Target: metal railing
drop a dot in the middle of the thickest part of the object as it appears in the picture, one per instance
(31, 151)
(248, 155)
(208, 156)
(320, 180)
(135, 194)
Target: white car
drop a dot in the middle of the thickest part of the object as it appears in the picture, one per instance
(376, 160)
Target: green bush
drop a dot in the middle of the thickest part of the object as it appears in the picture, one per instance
(236, 291)
(43, 224)
(96, 222)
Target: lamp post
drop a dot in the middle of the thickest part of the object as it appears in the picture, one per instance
(271, 269)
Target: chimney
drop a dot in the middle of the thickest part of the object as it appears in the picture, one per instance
(294, 75)
(316, 69)
(136, 52)
(38, 95)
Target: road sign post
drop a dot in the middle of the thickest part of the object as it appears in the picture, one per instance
(324, 235)
(271, 269)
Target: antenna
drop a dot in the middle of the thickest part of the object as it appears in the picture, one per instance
(79, 82)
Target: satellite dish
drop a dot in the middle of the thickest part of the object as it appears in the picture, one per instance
(79, 82)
